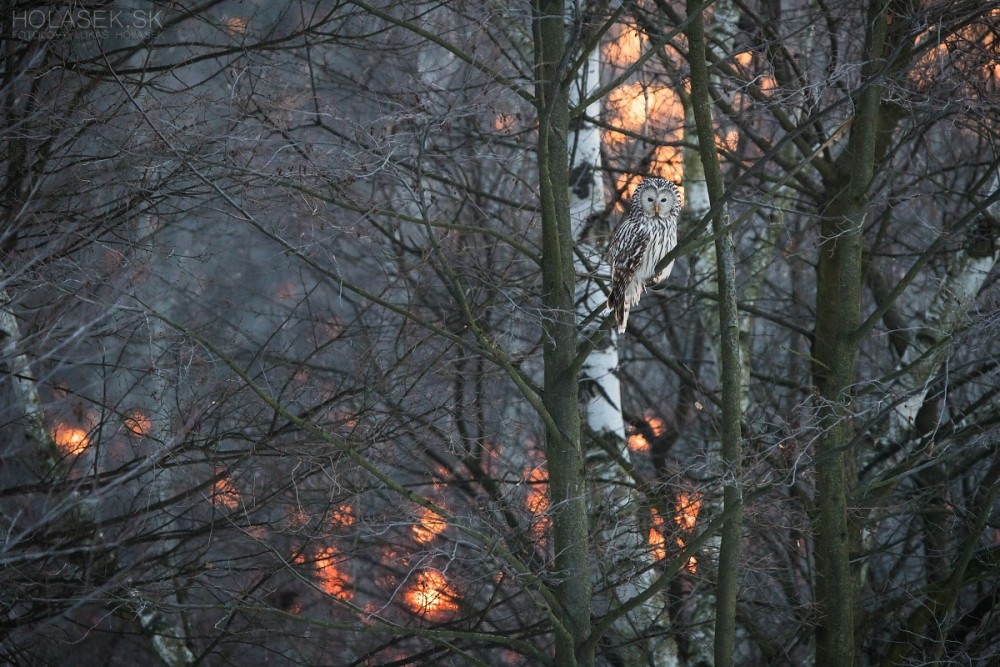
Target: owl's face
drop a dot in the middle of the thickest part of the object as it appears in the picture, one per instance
(657, 197)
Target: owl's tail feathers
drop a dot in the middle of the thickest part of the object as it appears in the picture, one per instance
(619, 305)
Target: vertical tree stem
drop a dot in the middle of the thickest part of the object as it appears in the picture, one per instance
(564, 456)
(729, 331)
(838, 315)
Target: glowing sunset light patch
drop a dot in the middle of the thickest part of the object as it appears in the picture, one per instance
(331, 579)
(627, 183)
(70, 439)
(728, 142)
(932, 54)
(429, 526)
(989, 39)
(431, 596)
(979, 37)
(687, 506)
(692, 564)
(347, 419)
(342, 517)
(637, 443)
(657, 541)
(537, 501)
(137, 424)
(225, 494)
(236, 25)
(767, 84)
(686, 517)
(626, 109)
(743, 58)
(627, 49)
(504, 122)
(633, 106)
(644, 119)
(668, 163)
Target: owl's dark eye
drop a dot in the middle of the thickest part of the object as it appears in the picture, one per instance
(663, 199)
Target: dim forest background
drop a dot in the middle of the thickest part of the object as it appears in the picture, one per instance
(303, 359)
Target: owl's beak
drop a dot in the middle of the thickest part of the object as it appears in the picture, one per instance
(656, 209)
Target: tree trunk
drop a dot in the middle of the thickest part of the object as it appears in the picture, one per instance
(727, 584)
(562, 440)
(922, 358)
(641, 636)
(835, 349)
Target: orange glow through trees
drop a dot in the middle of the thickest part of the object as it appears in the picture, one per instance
(537, 501)
(637, 442)
(643, 114)
(225, 494)
(687, 507)
(686, 518)
(429, 526)
(657, 541)
(70, 439)
(625, 50)
(331, 578)
(342, 517)
(137, 424)
(431, 596)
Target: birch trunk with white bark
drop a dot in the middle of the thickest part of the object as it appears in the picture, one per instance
(642, 636)
(928, 349)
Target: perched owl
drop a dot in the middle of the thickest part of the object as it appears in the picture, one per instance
(640, 242)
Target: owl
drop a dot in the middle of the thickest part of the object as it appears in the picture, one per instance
(640, 242)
